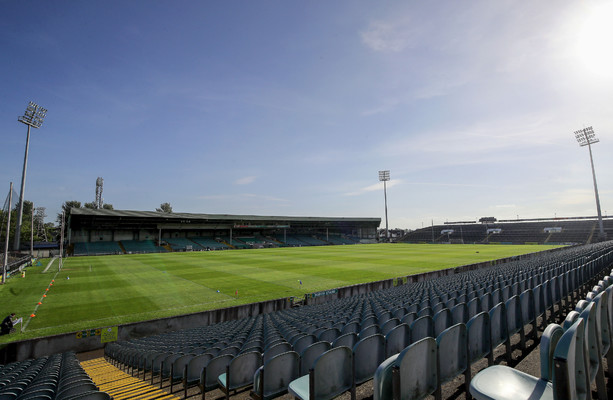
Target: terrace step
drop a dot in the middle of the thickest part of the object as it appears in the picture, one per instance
(120, 385)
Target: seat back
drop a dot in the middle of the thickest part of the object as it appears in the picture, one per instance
(459, 313)
(452, 350)
(591, 337)
(329, 335)
(214, 368)
(397, 339)
(514, 315)
(348, 339)
(276, 374)
(412, 383)
(498, 325)
(368, 353)
(331, 374)
(569, 365)
(479, 337)
(549, 341)
(195, 367)
(241, 369)
(442, 320)
(310, 354)
(303, 342)
(602, 321)
(422, 327)
(279, 348)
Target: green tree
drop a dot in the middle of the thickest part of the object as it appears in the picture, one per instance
(66, 207)
(107, 206)
(165, 208)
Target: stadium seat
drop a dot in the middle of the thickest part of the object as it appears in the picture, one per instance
(499, 330)
(278, 348)
(593, 355)
(239, 372)
(442, 320)
(410, 383)
(421, 328)
(480, 338)
(568, 376)
(382, 379)
(452, 357)
(368, 353)
(311, 353)
(329, 376)
(272, 379)
(397, 339)
(348, 339)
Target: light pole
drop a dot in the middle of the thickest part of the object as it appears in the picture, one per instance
(33, 117)
(385, 176)
(6, 243)
(587, 137)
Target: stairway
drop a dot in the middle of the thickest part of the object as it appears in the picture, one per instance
(120, 385)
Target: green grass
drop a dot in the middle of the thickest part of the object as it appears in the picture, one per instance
(111, 290)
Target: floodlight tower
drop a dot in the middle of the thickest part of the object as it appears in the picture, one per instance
(99, 185)
(587, 137)
(385, 176)
(33, 117)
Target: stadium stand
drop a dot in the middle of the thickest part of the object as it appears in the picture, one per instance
(141, 246)
(183, 244)
(96, 248)
(424, 317)
(572, 355)
(59, 376)
(550, 231)
(208, 243)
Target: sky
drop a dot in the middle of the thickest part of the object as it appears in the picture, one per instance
(290, 108)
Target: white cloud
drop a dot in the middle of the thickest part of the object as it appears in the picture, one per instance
(387, 36)
(245, 180)
(374, 187)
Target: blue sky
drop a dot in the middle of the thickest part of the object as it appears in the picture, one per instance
(292, 107)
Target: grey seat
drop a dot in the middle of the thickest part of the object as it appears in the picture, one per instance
(273, 378)
(499, 331)
(368, 353)
(442, 320)
(279, 348)
(329, 377)
(348, 339)
(421, 328)
(239, 372)
(452, 357)
(479, 338)
(194, 369)
(311, 353)
(397, 339)
(410, 383)
(215, 367)
(567, 372)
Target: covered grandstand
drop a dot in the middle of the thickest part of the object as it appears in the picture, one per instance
(102, 231)
(580, 230)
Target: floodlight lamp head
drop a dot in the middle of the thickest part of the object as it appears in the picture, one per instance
(586, 136)
(384, 175)
(33, 116)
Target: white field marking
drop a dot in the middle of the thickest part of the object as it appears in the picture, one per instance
(24, 326)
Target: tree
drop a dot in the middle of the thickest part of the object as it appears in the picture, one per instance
(91, 205)
(107, 206)
(165, 208)
(66, 207)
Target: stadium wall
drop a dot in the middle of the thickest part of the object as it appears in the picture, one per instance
(40, 347)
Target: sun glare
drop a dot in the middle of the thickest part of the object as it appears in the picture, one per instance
(595, 41)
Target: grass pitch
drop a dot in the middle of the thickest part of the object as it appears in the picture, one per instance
(94, 292)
